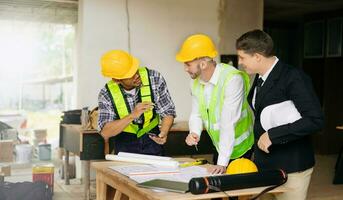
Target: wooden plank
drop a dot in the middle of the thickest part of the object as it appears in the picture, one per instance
(118, 195)
(125, 187)
(101, 187)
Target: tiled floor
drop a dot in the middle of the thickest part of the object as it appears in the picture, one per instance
(321, 187)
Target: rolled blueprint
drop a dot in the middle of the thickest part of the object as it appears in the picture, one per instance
(136, 155)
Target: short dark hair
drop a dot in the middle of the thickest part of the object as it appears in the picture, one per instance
(256, 41)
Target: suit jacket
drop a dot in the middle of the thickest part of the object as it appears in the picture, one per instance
(291, 148)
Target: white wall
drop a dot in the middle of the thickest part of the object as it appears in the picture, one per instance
(236, 18)
(157, 29)
(102, 26)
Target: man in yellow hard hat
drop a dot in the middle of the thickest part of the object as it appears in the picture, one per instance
(219, 102)
(132, 103)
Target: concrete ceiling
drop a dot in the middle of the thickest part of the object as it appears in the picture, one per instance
(292, 10)
(40, 3)
(274, 10)
(54, 11)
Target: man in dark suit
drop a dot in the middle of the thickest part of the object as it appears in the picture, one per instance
(286, 146)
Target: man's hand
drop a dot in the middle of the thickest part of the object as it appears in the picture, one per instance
(192, 139)
(140, 108)
(217, 169)
(160, 139)
(264, 142)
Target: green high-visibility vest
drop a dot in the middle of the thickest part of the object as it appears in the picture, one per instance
(211, 114)
(151, 119)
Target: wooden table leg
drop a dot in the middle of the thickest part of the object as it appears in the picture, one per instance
(244, 197)
(66, 167)
(86, 177)
(101, 187)
(117, 195)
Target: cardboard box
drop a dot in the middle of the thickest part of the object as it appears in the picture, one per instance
(6, 149)
(44, 173)
(5, 169)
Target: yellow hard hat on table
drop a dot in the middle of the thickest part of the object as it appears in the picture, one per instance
(118, 64)
(196, 46)
(241, 166)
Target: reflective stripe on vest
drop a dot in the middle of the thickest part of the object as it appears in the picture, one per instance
(244, 137)
(151, 119)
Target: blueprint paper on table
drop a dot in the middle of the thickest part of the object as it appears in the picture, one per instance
(143, 170)
(142, 173)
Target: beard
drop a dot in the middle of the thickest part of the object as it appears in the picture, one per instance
(137, 82)
(129, 85)
(196, 74)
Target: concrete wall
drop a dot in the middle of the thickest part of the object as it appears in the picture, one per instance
(102, 26)
(236, 18)
(156, 31)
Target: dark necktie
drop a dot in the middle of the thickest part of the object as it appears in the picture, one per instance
(258, 86)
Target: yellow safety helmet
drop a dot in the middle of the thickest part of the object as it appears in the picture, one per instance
(118, 64)
(196, 46)
(241, 166)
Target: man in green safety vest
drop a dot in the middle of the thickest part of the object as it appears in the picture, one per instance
(131, 105)
(219, 102)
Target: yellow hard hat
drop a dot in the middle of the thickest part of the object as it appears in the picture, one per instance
(118, 64)
(196, 46)
(241, 166)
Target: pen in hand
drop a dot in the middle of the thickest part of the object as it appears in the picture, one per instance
(193, 139)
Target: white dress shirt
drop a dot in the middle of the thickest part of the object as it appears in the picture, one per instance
(264, 78)
(233, 100)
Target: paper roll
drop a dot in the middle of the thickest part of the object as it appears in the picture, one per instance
(136, 155)
(279, 114)
(165, 163)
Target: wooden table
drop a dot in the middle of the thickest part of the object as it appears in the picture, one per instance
(113, 185)
(90, 145)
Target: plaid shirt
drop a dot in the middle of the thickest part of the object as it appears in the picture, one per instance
(164, 104)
